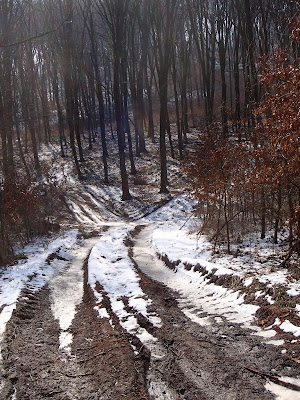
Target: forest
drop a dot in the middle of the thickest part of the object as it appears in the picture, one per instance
(133, 72)
(149, 199)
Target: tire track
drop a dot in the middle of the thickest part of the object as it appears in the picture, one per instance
(204, 361)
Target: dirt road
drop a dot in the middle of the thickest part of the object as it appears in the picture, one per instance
(187, 360)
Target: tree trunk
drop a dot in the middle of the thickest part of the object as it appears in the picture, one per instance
(59, 109)
(69, 84)
(163, 97)
(277, 216)
(120, 133)
(263, 214)
(179, 132)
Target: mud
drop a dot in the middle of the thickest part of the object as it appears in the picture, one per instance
(102, 363)
(186, 362)
(208, 362)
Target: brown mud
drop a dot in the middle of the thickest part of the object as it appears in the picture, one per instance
(187, 361)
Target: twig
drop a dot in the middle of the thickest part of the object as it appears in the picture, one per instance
(185, 222)
(38, 35)
(86, 349)
(80, 375)
(224, 225)
(288, 256)
(100, 354)
(173, 351)
(54, 392)
(131, 121)
(274, 379)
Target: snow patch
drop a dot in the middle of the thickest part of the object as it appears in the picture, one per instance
(65, 341)
(283, 393)
(248, 281)
(279, 342)
(197, 296)
(67, 290)
(34, 272)
(176, 236)
(293, 292)
(288, 327)
(102, 312)
(110, 265)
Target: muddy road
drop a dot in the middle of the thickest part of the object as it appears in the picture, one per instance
(197, 352)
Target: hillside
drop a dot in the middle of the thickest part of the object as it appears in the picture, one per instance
(129, 301)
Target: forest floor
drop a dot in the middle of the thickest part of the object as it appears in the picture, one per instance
(128, 302)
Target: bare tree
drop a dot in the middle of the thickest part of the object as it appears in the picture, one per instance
(114, 14)
(162, 17)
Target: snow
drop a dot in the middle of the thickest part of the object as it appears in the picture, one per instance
(265, 333)
(283, 393)
(67, 290)
(287, 326)
(102, 312)
(176, 236)
(172, 230)
(65, 279)
(180, 209)
(181, 244)
(293, 292)
(110, 265)
(279, 342)
(196, 295)
(248, 282)
(32, 273)
(79, 214)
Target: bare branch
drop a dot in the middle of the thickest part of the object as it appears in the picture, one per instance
(36, 36)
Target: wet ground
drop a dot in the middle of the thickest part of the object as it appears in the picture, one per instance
(214, 359)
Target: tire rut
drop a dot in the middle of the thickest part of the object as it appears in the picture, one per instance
(107, 352)
(207, 362)
(186, 362)
(101, 363)
(34, 366)
(194, 365)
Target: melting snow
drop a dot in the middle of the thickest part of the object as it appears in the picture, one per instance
(287, 326)
(293, 292)
(197, 296)
(283, 393)
(33, 273)
(110, 265)
(175, 235)
(67, 291)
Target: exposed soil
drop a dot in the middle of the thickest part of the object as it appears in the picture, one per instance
(209, 363)
(102, 364)
(187, 361)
